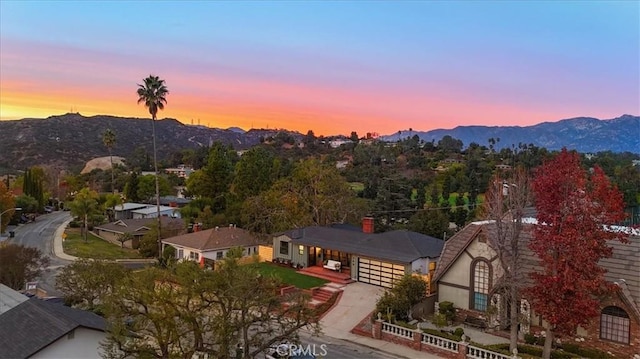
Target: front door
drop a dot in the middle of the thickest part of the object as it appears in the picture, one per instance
(312, 256)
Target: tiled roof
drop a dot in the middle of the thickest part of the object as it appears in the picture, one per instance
(35, 324)
(214, 239)
(454, 246)
(139, 225)
(400, 246)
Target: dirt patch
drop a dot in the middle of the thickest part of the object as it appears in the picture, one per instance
(103, 163)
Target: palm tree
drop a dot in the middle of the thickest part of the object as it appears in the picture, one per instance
(83, 206)
(109, 140)
(153, 94)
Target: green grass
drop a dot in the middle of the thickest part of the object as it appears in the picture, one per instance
(289, 276)
(356, 186)
(95, 247)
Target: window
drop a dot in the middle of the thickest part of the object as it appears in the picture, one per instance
(300, 249)
(284, 248)
(194, 256)
(480, 277)
(614, 325)
(218, 255)
(180, 253)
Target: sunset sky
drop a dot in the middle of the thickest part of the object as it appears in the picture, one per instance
(332, 67)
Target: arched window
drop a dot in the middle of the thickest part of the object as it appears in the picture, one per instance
(614, 325)
(480, 277)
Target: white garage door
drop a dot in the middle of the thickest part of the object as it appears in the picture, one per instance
(379, 273)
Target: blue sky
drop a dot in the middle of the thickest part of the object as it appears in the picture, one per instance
(328, 66)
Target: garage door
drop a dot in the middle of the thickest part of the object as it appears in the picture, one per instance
(379, 273)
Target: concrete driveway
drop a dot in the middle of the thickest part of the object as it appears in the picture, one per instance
(358, 300)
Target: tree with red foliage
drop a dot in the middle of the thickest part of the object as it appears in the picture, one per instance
(574, 211)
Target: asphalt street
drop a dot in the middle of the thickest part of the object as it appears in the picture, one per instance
(332, 348)
(39, 234)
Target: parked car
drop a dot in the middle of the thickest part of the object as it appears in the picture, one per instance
(48, 209)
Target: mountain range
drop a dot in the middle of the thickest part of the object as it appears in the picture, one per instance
(69, 140)
(583, 134)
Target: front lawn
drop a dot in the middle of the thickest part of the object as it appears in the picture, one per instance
(289, 275)
(95, 247)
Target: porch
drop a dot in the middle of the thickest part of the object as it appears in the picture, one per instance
(342, 277)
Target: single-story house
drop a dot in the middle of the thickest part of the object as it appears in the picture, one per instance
(136, 228)
(131, 210)
(36, 328)
(174, 201)
(151, 211)
(469, 271)
(123, 211)
(375, 258)
(212, 244)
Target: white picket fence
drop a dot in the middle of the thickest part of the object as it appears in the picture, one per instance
(397, 330)
(479, 353)
(439, 342)
(442, 343)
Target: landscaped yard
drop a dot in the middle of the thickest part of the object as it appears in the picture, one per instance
(289, 275)
(94, 247)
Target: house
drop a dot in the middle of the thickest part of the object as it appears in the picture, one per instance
(151, 211)
(181, 171)
(36, 328)
(469, 271)
(212, 244)
(123, 211)
(375, 258)
(136, 229)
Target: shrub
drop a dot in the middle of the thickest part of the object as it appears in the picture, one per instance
(585, 352)
(531, 350)
(458, 332)
(442, 334)
(75, 224)
(530, 338)
(448, 310)
(404, 324)
(439, 320)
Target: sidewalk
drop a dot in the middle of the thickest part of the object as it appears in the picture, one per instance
(356, 303)
(57, 243)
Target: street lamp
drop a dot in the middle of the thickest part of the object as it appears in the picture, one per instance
(10, 209)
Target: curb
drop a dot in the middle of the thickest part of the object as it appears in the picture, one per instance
(58, 249)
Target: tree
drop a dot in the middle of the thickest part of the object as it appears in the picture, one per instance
(85, 283)
(255, 173)
(430, 221)
(505, 202)
(146, 184)
(33, 185)
(399, 300)
(131, 188)
(315, 194)
(83, 206)
(111, 201)
(574, 210)
(27, 203)
(109, 140)
(6, 203)
(153, 94)
(19, 265)
(186, 310)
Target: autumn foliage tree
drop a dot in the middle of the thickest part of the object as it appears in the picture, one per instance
(574, 209)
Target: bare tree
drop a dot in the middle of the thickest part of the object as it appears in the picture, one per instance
(505, 202)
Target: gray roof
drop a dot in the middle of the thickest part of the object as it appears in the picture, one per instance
(397, 246)
(138, 225)
(35, 324)
(129, 206)
(9, 298)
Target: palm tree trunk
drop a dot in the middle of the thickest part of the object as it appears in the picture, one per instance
(113, 190)
(155, 165)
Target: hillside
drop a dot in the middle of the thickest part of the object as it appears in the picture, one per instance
(584, 134)
(70, 140)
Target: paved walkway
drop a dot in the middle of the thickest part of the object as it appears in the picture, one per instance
(477, 336)
(57, 243)
(357, 301)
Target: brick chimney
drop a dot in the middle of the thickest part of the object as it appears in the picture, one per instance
(367, 225)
